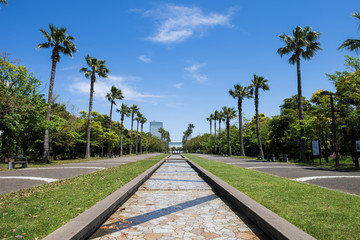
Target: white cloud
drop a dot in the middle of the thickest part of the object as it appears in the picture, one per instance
(145, 59)
(193, 73)
(177, 23)
(178, 85)
(103, 86)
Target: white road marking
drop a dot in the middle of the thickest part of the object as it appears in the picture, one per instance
(304, 179)
(52, 168)
(273, 167)
(31, 178)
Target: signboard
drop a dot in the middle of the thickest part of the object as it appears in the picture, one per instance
(358, 146)
(315, 148)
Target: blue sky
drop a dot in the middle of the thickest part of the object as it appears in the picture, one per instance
(177, 60)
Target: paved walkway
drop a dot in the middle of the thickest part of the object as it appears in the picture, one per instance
(348, 182)
(14, 180)
(175, 203)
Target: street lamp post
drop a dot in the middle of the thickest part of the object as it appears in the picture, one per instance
(333, 125)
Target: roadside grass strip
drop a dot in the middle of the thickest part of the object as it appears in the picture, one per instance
(322, 213)
(36, 212)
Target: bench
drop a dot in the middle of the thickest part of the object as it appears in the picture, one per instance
(270, 157)
(283, 157)
(18, 160)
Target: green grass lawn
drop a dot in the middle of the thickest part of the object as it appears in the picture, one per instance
(322, 213)
(4, 166)
(35, 212)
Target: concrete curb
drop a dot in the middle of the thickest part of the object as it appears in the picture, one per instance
(272, 224)
(82, 226)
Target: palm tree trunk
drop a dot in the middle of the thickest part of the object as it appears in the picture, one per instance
(87, 155)
(301, 113)
(137, 138)
(121, 135)
(210, 127)
(228, 135)
(46, 155)
(102, 143)
(215, 134)
(142, 125)
(109, 143)
(257, 122)
(131, 132)
(242, 150)
(220, 146)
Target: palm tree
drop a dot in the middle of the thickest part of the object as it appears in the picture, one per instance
(220, 117)
(228, 113)
(215, 119)
(142, 121)
(302, 44)
(113, 95)
(60, 42)
(258, 83)
(133, 109)
(240, 93)
(352, 44)
(124, 111)
(98, 67)
(137, 119)
(210, 120)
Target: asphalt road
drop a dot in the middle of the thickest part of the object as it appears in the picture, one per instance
(348, 182)
(14, 180)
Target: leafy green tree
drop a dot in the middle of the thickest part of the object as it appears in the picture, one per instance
(352, 44)
(60, 42)
(258, 82)
(96, 67)
(134, 109)
(124, 111)
(114, 94)
(228, 113)
(301, 44)
(21, 109)
(239, 92)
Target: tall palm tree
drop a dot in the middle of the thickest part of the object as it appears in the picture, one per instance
(239, 92)
(301, 44)
(258, 82)
(124, 111)
(352, 44)
(220, 117)
(210, 120)
(215, 119)
(98, 67)
(137, 119)
(114, 94)
(228, 113)
(60, 42)
(134, 109)
(142, 121)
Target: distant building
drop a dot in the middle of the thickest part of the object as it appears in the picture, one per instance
(154, 128)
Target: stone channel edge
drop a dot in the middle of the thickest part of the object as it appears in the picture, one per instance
(82, 226)
(272, 224)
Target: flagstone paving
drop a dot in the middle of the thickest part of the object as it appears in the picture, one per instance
(175, 203)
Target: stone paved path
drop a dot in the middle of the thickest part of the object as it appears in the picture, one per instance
(175, 203)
